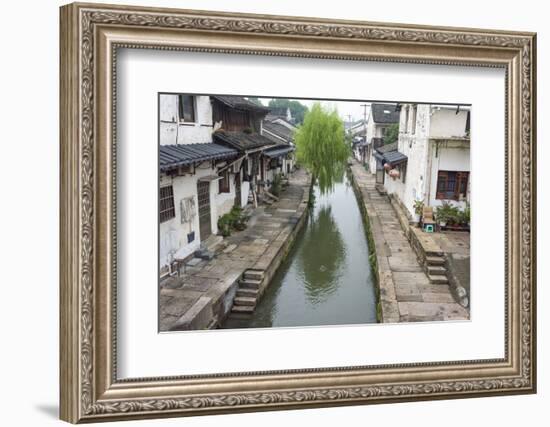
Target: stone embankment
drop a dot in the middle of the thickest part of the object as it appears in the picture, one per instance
(407, 291)
(207, 291)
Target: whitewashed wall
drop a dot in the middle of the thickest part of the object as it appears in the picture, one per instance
(415, 147)
(172, 233)
(173, 131)
(223, 202)
(447, 123)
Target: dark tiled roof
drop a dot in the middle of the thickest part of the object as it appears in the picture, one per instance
(278, 151)
(240, 103)
(394, 157)
(173, 156)
(242, 141)
(272, 117)
(388, 154)
(387, 147)
(278, 129)
(274, 139)
(385, 113)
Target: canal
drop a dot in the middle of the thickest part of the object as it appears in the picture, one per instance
(326, 278)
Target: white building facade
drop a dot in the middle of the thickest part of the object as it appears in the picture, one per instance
(436, 142)
(381, 117)
(195, 186)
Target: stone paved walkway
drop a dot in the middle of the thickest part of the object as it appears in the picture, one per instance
(194, 299)
(406, 294)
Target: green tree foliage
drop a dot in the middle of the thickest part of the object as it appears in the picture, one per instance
(255, 100)
(392, 133)
(321, 146)
(297, 110)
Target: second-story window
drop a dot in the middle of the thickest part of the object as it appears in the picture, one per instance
(186, 108)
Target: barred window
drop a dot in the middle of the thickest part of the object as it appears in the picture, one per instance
(166, 203)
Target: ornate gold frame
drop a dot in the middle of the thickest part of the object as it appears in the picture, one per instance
(90, 35)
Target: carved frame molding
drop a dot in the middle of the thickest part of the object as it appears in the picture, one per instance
(90, 36)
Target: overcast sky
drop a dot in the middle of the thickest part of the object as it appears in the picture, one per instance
(345, 108)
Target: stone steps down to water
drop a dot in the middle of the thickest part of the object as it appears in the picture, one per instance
(248, 292)
(435, 260)
(436, 271)
(438, 279)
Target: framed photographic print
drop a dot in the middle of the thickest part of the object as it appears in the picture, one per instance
(268, 212)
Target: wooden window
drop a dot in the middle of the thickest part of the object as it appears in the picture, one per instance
(452, 185)
(223, 184)
(166, 203)
(186, 108)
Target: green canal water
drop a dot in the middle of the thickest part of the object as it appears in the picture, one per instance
(326, 278)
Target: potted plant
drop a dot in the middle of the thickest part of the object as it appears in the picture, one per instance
(466, 214)
(418, 209)
(444, 214)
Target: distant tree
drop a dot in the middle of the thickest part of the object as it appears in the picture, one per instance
(255, 100)
(392, 133)
(321, 146)
(297, 109)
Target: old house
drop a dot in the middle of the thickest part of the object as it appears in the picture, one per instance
(357, 132)
(432, 160)
(193, 192)
(381, 117)
(238, 124)
(280, 115)
(280, 158)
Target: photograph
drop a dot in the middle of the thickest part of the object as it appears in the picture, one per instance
(264, 210)
(293, 212)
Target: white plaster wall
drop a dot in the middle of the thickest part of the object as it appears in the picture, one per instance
(172, 131)
(172, 233)
(221, 202)
(415, 147)
(445, 122)
(245, 188)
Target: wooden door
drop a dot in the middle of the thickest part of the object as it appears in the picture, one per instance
(205, 223)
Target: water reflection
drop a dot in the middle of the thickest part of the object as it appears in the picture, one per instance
(326, 278)
(328, 176)
(320, 259)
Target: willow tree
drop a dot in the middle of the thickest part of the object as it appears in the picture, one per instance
(321, 146)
